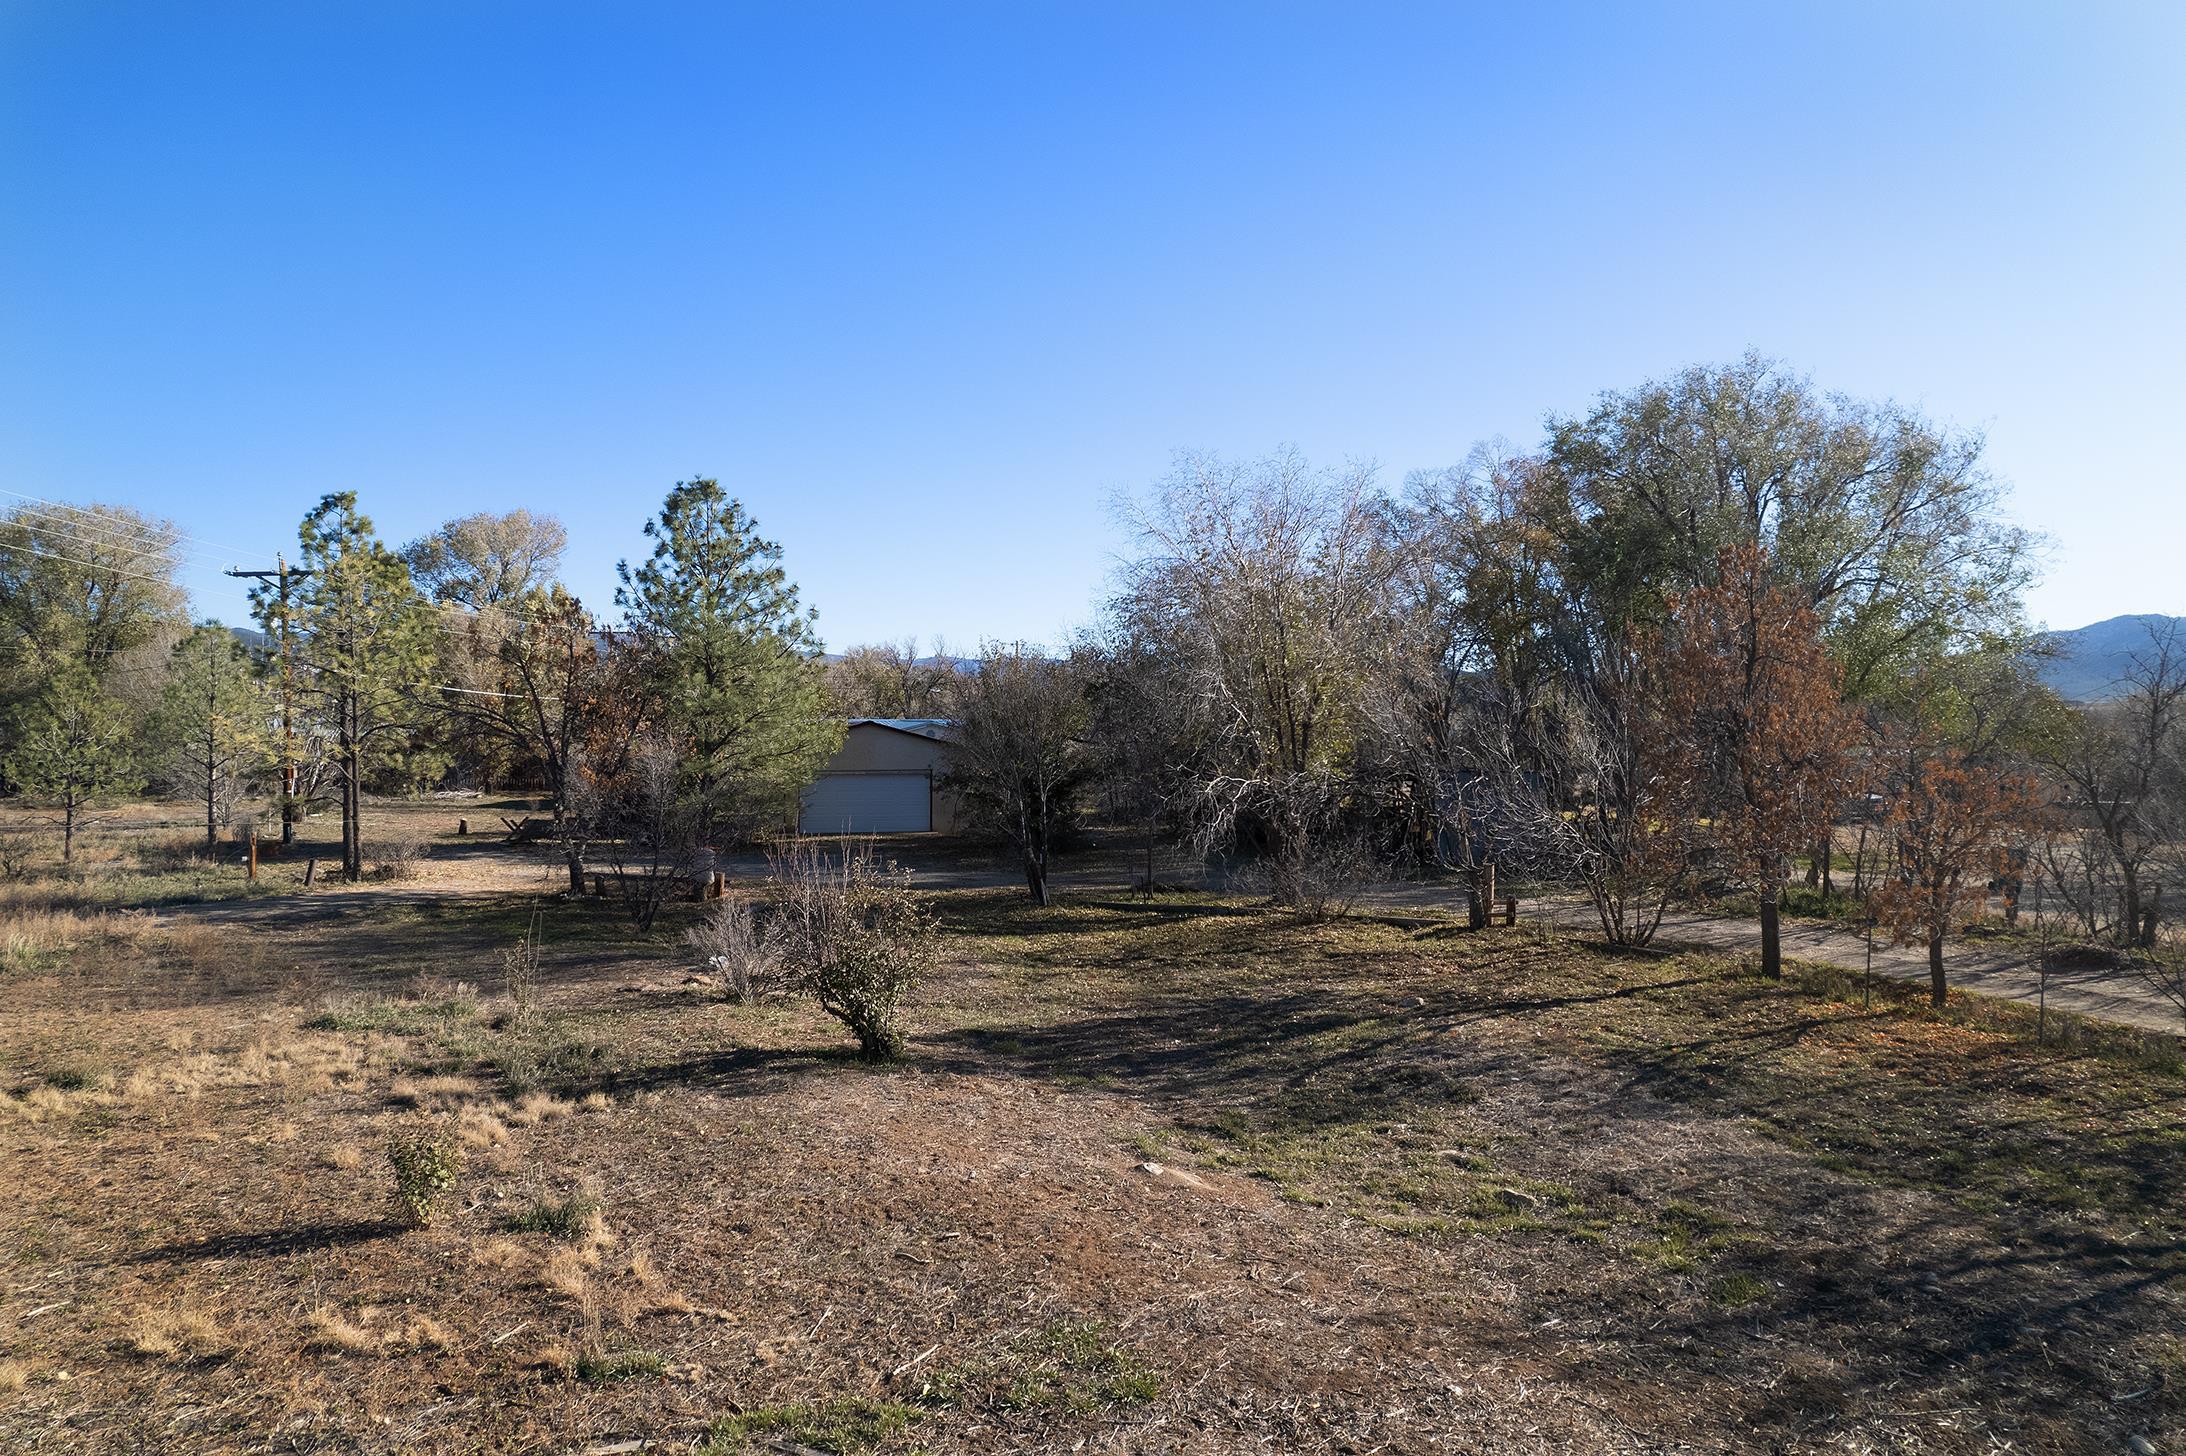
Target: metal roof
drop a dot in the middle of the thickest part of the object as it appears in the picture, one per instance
(934, 728)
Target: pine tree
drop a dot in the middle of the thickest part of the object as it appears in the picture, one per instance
(737, 666)
(217, 715)
(72, 748)
(365, 644)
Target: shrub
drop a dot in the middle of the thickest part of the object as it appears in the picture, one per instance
(1319, 876)
(18, 854)
(571, 1219)
(728, 943)
(855, 938)
(520, 962)
(425, 1164)
(400, 856)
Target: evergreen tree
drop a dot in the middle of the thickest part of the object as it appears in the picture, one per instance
(738, 671)
(217, 717)
(72, 748)
(365, 641)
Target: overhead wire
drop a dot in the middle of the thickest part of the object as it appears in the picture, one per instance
(79, 511)
(72, 528)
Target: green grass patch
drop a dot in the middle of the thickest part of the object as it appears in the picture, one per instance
(567, 1219)
(1071, 1365)
(840, 1427)
(609, 1366)
(397, 1015)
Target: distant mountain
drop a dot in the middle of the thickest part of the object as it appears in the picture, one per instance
(2089, 664)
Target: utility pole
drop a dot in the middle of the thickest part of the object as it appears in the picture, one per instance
(288, 692)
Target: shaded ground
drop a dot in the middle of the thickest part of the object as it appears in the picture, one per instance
(1419, 1190)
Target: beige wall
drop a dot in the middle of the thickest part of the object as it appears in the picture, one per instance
(870, 748)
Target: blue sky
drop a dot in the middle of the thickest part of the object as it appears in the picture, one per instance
(927, 284)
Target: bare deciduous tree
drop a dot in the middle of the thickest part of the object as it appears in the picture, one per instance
(2120, 769)
(1017, 759)
(1264, 584)
(891, 680)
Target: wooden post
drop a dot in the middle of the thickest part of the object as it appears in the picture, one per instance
(311, 867)
(599, 886)
(254, 854)
(1510, 911)
(462, 826)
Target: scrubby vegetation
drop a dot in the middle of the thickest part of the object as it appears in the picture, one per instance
(1142, 1171)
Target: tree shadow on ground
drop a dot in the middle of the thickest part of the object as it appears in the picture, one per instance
(273, 1243)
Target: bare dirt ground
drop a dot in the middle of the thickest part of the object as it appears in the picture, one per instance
(1186, 1175)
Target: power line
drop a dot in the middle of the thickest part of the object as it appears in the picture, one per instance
(78, 511)
(98, 566)
(147, 549)
(87, 543)
(84, 534)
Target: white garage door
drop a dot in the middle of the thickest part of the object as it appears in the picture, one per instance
(867, 804)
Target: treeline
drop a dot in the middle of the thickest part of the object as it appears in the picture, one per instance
(1680, 646)
(1718, 629)
(696, 716)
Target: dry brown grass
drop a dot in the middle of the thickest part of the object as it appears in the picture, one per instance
(557, 1358)
(200, 947)
(1469, 1185)
(14, 1376)
(537, 1107)
(421, 1332)
(183, 1333)
(481, 1127)
(641, 1268)
(501, 1254)
(565, 1273)
(328, 1329)
(433, 1092)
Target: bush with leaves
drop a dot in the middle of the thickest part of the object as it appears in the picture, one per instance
(426, 1162)
(854, 937)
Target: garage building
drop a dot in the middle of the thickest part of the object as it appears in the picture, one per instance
(886, 779)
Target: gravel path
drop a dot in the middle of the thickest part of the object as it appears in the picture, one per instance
(1992, 968)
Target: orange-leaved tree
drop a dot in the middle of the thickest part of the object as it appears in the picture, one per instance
(1755, 751)
(1953, 823)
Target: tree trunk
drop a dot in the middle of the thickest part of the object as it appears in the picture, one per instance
(1772, 949)
(212, 824)
(1036, 877)
(1938, 992)
(576, 875)
(68, 829)
(352, 805)
(1149, 856)
(2126, 933)
(1479, 896)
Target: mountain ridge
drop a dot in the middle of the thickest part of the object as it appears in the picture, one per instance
(2089, 664)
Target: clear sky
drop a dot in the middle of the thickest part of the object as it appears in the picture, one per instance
(927, 283)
